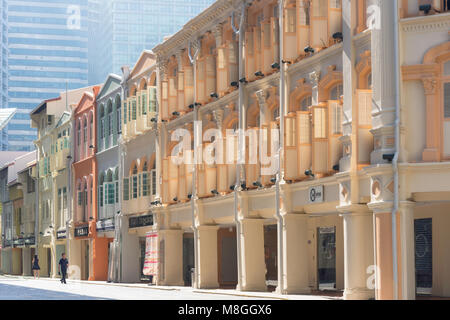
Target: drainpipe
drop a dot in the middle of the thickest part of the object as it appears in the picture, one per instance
(280, 174)
(69, 188)
(36, 194)
(397, 148)
(193, 60)
(241, 33)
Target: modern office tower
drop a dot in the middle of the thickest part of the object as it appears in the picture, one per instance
(48, 52)
(3, 54)
(130, 26)
(5, 117)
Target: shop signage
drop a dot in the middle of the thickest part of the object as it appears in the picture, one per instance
(141, 221)
(30, 240)
(105, 225)
(61, 234)
(151, 254)
(18, 242)
(82, 231)
(315, 194)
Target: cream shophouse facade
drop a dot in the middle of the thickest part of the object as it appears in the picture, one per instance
(360, 156)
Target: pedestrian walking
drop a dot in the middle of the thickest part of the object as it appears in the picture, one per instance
(35, 267)
(63, 265)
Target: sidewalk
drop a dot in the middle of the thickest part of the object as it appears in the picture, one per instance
(235, 293)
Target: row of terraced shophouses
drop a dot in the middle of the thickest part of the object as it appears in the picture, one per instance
(359, 200)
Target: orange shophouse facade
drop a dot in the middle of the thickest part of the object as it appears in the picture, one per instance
(88, 255)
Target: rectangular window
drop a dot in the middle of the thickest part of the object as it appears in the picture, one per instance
(133, 114)
(126, 189)
(134, 180)
(144, 103)
(291, 21)
(145, 191)
(110, 193)
(117, 191)
(125, 112)
(59, 199)
(447, 100)
(119, 121)
(100, 197)
(304, 13)
(152, 100)
(320, 123)
(336, 118)
(153, 173)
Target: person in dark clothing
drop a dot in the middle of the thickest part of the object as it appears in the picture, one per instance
(63, 265)
(35, 267)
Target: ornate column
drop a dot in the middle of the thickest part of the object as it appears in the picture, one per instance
(252, 255)
(207, 257)
(358, 251)
(263, 112)
(407, 253)
(432, 152)
(173, 257)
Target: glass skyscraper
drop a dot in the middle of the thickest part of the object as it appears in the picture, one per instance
(3, 54)
(127, 27)
(48, 52)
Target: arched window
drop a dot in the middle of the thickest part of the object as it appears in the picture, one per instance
(91, 130)
(116, 182)
(79, 133)
(100, 193)
(306, 103)
(118, 115)
(102, 123)
(275, 113)
(336, 92)
(85, 202)
(85, 130)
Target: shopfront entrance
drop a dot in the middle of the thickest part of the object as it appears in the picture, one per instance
(271, 257)
(227, 253)
(326, 258)
(49, 262)
(85, 259)
(143, 278)
(188, 258)
(423, 255)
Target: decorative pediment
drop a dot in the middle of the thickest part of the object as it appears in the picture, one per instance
(145, 62)
(111, 84)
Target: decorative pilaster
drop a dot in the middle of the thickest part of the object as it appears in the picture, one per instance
(432, 152)
(263, 112)
(384, 89)
(315, 78)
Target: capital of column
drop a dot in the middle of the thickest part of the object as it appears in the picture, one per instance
(162, 64)
(218, 117)
(430, 85)
(315, 78)
(354, 210)
(217, 32)
(179, 56)
(381, 207)
(261, 97)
